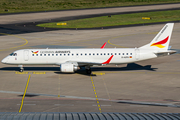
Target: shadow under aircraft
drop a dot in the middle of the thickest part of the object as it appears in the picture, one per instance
(129, 67)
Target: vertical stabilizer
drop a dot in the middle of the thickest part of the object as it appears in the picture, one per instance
(162, 39)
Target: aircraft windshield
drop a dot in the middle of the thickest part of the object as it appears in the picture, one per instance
(13, 54)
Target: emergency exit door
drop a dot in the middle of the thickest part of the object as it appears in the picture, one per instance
(137, 53)
(26, 55)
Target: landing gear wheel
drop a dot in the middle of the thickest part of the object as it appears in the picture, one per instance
(21, 70)
(88, 71)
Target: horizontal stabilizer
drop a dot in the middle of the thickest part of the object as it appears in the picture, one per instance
(169, 52)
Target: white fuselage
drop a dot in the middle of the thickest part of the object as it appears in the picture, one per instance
(59, 56)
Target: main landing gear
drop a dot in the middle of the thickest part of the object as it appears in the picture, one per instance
(88, 70)
(21, 68)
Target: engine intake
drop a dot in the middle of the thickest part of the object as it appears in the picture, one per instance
(68, 68)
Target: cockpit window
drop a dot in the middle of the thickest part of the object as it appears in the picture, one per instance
(13, 54)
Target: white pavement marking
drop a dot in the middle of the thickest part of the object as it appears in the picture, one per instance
(64, 104)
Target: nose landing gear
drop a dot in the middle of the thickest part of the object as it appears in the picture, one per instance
(21, 68)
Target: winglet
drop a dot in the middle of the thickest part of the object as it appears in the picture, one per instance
(108, 61)
(103, 45)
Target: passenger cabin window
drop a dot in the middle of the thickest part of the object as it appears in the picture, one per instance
(44, 54)
(104, 53)
(119, 53)
(52, 54)
(40, 54)
(115, 54)
(126, 53)
(111, 53)
(108, 54)
(131, 53)
(32, 54)
(48, 54)
(72, 54)
(36, 54)
(81, 54)
(93, 53)
(56, 54)
(89, 53)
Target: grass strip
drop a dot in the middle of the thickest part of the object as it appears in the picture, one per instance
(115, 20)
(14, 6)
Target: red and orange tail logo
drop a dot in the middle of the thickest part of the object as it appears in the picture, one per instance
(159, 44)
(35, 52)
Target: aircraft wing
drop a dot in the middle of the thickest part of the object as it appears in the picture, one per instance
(80, 63)
(88, 63)
(95, 63)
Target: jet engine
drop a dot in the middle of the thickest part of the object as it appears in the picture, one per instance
(68, 68)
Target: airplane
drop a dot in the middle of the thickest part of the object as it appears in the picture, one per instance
(70, 60)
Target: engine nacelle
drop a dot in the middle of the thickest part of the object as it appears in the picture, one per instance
(68, 67)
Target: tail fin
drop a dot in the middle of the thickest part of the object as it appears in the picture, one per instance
(162, 39)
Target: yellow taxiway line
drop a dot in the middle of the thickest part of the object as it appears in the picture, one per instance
(115, 44)
(21, 72)
(39, 73)
(24, 93)
(95, 94)
(101, 73)
(15, 46)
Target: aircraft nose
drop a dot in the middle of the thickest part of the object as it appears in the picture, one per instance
(4, 60)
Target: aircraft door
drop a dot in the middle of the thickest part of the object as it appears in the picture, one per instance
(137, 53)
(26, 55)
